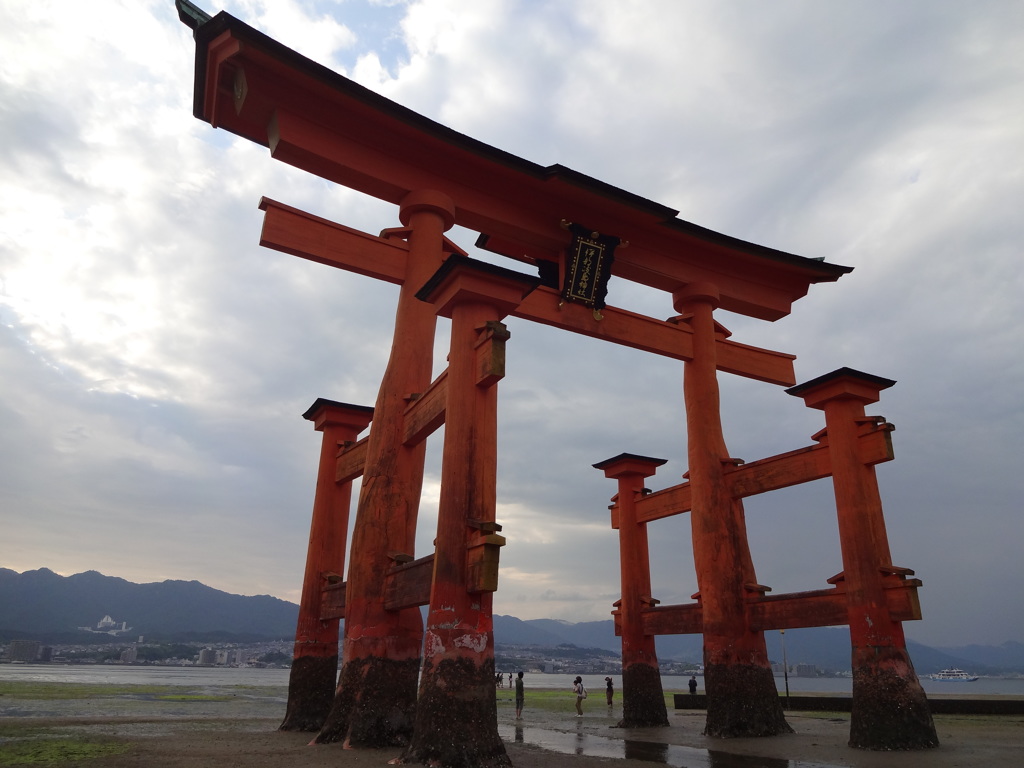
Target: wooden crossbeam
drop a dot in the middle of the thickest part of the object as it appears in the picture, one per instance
(770, 474)
(803, 465)
(408, 585)
(351, 462)
(332, 602)
(817, 608)
(664, 503)
(649, 334)
(310, 237)
(426, 413)
(673, 620)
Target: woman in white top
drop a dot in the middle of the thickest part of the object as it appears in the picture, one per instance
(581, 694)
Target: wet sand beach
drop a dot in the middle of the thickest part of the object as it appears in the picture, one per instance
(231, 730)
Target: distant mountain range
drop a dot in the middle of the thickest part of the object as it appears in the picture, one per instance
(44, 605)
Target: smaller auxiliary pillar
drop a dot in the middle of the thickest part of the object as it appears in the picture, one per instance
(315, 665)
(643, 700)
(890, 710)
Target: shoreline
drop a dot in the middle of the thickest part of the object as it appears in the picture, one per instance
(547, 741)
(236, 727)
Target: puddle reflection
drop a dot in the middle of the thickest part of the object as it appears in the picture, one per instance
(591, 745)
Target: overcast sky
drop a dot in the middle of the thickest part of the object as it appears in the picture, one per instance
(155, 361)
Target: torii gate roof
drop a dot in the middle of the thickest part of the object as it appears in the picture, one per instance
(326, 124)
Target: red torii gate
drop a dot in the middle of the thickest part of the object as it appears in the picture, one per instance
(323, 123)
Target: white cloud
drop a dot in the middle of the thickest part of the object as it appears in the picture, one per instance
(299, 25)
(157, 360)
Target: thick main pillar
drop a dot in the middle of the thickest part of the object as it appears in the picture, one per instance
(890, 709)
(741, 695)
(314, 668)
(456, 715)
(375, 701)
(643, 699)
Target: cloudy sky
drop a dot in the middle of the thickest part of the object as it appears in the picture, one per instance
(155, 361)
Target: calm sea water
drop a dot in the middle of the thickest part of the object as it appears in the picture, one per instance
(221, 677)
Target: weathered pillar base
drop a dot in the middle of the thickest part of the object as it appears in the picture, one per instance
(643, 699)
(310, 692)
(456, 717)
(385, 712)
(890, 711)
(742, 702)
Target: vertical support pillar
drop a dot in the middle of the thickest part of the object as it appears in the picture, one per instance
(741, 695)
(643, 699)
(890, 709)
(375, 702)
(315, 659)
(456, 714)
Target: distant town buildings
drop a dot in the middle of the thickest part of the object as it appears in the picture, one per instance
(797, 670)
(26, 651)
(271, 653)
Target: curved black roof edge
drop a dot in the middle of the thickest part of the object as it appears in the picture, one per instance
(323, 402)
(453, 262)
(224, 21)
(879, 381)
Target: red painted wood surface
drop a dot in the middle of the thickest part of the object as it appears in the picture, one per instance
(340, 423)
(325, 124)
(381, 648)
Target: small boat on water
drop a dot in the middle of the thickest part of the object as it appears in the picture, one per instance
(954, 674)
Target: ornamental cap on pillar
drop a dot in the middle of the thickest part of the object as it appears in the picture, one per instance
(842, 383)
(427, 200)
(626, 464)
(331, 413)
(697, 291)
(462, 279)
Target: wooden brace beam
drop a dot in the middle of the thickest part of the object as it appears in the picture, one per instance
(310, 237)
(351, 462)
(770, 474)
(426, 412)
(407, 585)
(817, 608)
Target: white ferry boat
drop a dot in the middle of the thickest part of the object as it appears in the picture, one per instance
(954, 674)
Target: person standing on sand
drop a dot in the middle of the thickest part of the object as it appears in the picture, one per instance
(609, 690)
(581, 693)
(519, 696)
